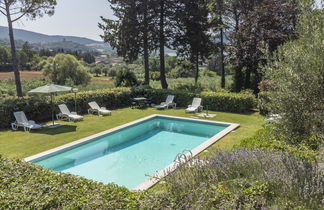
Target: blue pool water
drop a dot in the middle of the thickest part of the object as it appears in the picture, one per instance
(131, 155)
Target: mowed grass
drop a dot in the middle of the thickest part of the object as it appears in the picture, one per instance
(19, 144)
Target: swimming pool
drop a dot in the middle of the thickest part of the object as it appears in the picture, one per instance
(130, 154)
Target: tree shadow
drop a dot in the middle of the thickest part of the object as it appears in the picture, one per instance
(57, 130)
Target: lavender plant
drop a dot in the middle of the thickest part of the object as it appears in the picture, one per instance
(243, 179)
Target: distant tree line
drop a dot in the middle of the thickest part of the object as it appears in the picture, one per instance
(30, 59)
(85, 56)
(197, 29)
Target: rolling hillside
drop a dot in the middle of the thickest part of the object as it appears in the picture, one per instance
(38, 39)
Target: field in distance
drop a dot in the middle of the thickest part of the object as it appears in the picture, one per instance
(24, 75)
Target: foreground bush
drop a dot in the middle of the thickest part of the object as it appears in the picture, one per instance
(26, 186)
(264, 140)
(239, 179)
(242, 179)
(296, 82)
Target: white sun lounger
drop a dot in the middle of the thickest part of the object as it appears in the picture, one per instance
(22, 121)
(195, 106)
(95, 108)
(66, 114)
(168, 103)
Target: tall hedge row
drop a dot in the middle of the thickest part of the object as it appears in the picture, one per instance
(38, 108)
(215, 101)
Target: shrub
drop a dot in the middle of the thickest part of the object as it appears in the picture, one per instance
(241, 179)
(126, 78)
(228, 102)
(216, 101)
(112, 73)
(27, 186)
(263, 102)
(265, 140)
(183, 69)
(37, 108)
(155, 75)
(97, 69)
(106, 70)
(296, 89)
(65, 69)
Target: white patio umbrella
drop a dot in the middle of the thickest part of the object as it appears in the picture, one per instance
(51, 89)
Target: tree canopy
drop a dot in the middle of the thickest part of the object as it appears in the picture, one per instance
(65, 69)
(296, 82)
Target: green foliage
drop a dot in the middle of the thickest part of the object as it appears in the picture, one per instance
(24, 185)
(126, 78)
(8, 86)
(216, 101)
(194, 40)
(106, 69)
(207, 82)
(38, 63)
(65, 69)
(37, 108)
(241, 179)
(170, 63)
(265, 140)
(183, 69)
(123, 33)
(97, 69)
(263, 102)
(260, 26)
(228, 102)
(297, 83)
(4, 55)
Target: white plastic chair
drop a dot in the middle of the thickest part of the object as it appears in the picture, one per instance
(66, 114)
(195, 106)
(95, 108)
(22, 121)
(168, 103)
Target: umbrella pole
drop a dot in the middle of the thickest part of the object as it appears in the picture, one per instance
(52, 108)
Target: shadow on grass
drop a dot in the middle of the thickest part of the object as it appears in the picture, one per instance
(56, 131)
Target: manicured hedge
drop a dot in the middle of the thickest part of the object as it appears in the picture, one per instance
(215, 101)
(38, 108)
(27, 186)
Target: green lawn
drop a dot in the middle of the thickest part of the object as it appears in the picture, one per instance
(18, 144)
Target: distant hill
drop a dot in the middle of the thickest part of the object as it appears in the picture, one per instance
(46, 40)
(33, 37)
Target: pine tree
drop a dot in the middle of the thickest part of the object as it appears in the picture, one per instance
(192, 39)
(132, 34)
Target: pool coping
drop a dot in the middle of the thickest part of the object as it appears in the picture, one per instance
(168, 169)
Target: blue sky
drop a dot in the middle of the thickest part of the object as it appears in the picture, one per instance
(72, 17)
